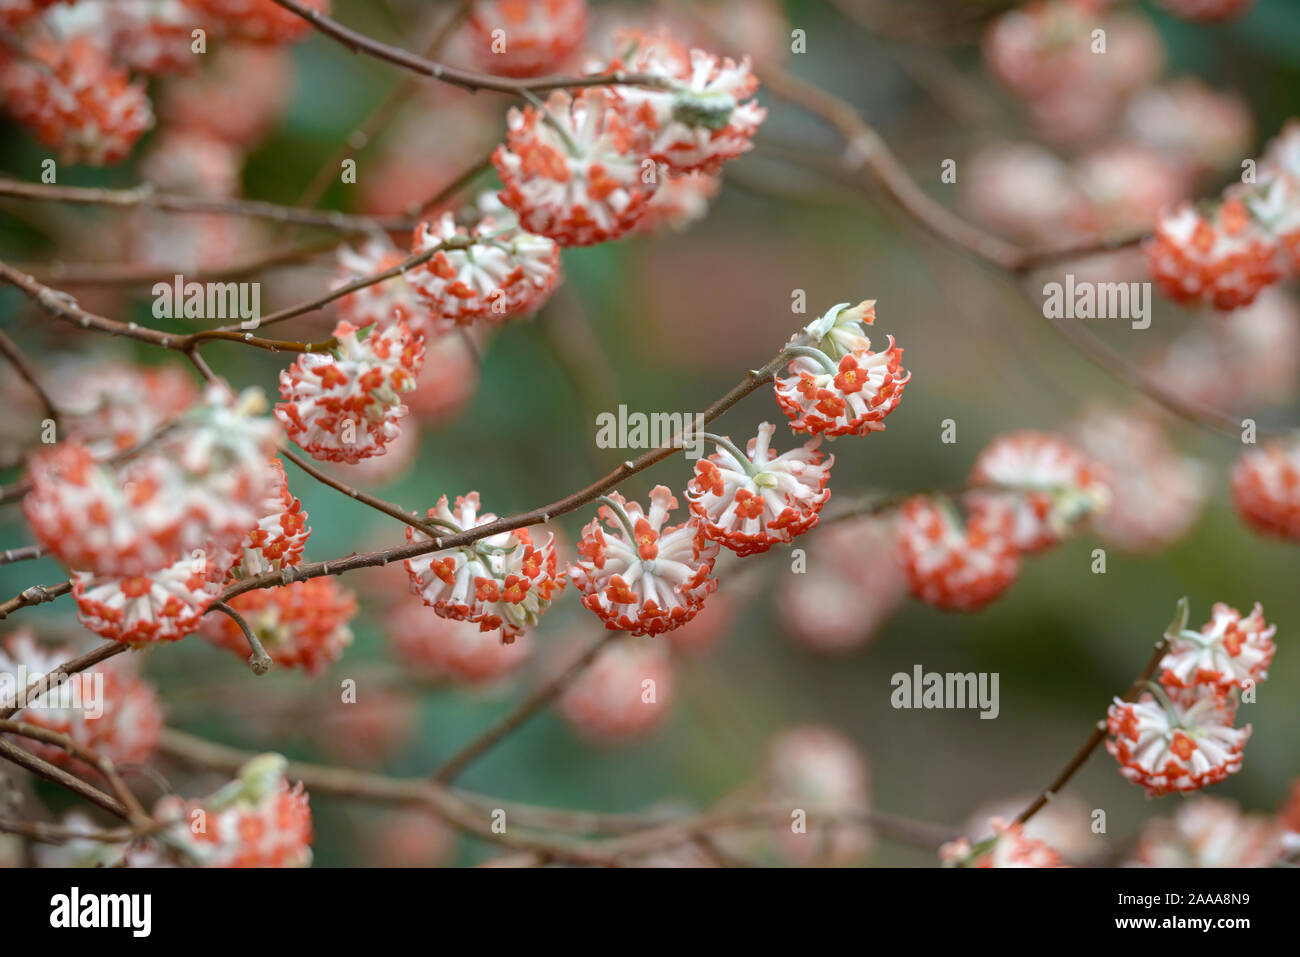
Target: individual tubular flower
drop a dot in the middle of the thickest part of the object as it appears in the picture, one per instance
(704, 116)
(1210, 832)
(503, 581)
(499, 272)
(1009, 847)
(1266, 489)
(260, 20)
(1050, 487)
(164, 605)
(817, 770)
(108, 710)
(76, 100)
(256, 820)
(753, 500)
(381, 303)
(836, 385)
(445, 649)
(644, 578)
(302, 625)
(953, 566)
(1207, 11)
(525, 37)
(625, 693)
(280, 535)
(571, 170)
(1228, 652)
(1221, 257)
(1179, 741)
(345, 406)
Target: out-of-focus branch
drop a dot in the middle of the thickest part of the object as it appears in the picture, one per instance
(146, 196)
(534, 703)
(24, 369)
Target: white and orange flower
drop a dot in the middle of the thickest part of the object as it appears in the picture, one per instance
(1228, 652)
(345, 406)
(752, 500)
(1176, 741)
(303, 624)
(836, 385)
(502, 581)
(1051, 488)
(572, 170)
(953, 565)
(636, 574)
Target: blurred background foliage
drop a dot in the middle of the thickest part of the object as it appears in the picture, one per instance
(675, 321)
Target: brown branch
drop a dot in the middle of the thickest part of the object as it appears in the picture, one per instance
(19, 361)
(1099, 733)
(382, 115)
(35, 595)
(64, 307)
(259, 661)
(26, 553)
(360, 43)
(43, 684)
(534, 703)
(755, 379)
(379, 504)
(42, 768)
(146, 196)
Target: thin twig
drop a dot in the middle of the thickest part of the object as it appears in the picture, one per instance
(259, 661)
(534, 703)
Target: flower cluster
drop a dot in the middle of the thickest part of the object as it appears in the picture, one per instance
(1047, 54)
(1049, 487)
(503, 581)
(1009, 847)
(1179, 734)
(956, 565)
(75, 99)
(345, 406)
(570, 169)
(701, 117)
(750, 501)
(816, 769)
(380, 303)
(1031, 490)
(638, 575)
(108, 710)
(627, 691)
(835, 384)
(1226, 254)
(199, 488)
(493, 271)
(583, 168)
(525, 37)
(256, 820)
(1210, 832)
(1266, 489)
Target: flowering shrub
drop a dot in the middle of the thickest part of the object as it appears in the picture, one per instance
(160, 498)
